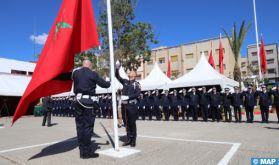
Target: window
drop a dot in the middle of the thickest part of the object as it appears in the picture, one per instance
(254, 63)
(18, 72)
(162, 60)
(243, 64)
(150, 62)
(174, 58)
(270, 61)
(269, 51)
(243, 73)
(271, 71)
(254, 53)
(189, 56)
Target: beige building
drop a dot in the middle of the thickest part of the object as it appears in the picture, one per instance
(244, 67)
(184, 57)
(271, 60)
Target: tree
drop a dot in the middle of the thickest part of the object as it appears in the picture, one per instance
(236, 41)
(131, 39)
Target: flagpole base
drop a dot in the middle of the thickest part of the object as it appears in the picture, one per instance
(121, 153)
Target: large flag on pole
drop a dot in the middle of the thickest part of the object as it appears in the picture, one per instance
(221, 56)
(169, 69)
(211, 60)
(263, 57)
(73, 31)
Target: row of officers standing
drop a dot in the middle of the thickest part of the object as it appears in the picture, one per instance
(185, 104)
(209, 104)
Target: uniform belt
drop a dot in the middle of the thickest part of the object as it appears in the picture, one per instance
(134, 101)
(81, 96)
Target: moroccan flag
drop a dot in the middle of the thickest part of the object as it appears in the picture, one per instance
(221, 56)
(263, 57)
(73, 31)
(211, 60)
(169, 69)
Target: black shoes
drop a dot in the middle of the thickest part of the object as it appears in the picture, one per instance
(133, 144)
(130, 142)
(88, 156)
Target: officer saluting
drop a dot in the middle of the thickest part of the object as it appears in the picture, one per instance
(85, 81)
(130, 93)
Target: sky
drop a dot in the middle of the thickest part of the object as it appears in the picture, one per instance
(174, 21)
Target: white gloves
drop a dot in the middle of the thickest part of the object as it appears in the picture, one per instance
(143, 107)
(107, 79)
(117, 64)
(255, 107)
(231, 107)
(270, 107)
(209, 90)
(124, 98)
(241, 106)
(219, 106)
(187, 106)
(208, 106)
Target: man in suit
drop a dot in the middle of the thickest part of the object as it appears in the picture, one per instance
(237, 103)
(249, 103)
(265, 103)
(215, 104)
(204, 103)
(174, 105)
(194, 104)
(157, 110)
(165, 103)
(184, 103)
(226, 100)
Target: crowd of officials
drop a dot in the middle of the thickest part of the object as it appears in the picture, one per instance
(186, 104)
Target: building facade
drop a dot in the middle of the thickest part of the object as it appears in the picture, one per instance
(183, 58)
(271, 59)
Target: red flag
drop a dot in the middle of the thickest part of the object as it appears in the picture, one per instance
(169, 69)
(211, 60)
(73, 31)
(263, 58)
(221, 56)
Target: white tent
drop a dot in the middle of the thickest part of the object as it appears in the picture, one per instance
(13, 85)
(155, 80)
(203, 75)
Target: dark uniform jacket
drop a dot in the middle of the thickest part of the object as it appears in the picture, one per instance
(249, 98)
(276, 97)
(265, 98)
(174, 101)
(226, 100)
(156, 100)
(215, 99)
(193, 99)
(204, 98)
(183, 99)
(236, 99)
(165, 101)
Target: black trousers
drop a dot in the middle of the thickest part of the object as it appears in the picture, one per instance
(175, 113)
(123, 113)
(194, 112)
(228, 113)
(204, 111)
(166, 112)
(157, 112)
(249, 113)
(264, 113)
(131, 127)
(142, 113)
(183, 112)
(47, 117)
(85, 119)
(215, 113)
(149, 111)
(237, 113)
(277, 112)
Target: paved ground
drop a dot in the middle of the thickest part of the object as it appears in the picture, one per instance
(182, 142)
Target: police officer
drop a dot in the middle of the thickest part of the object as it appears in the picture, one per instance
(85, 81)
(194, 104)
(265, 103)
(204, 103)
(184, 103)
(141, 106)
(275, 94)
(150, 105)
(157, 110)
(215, 104)
(249, 103)
(237, 103)
(130, 93)
(165, 103)
(226, 100)
(47, 111)
(174, 105)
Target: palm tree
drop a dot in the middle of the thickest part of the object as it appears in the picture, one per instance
(236, 42)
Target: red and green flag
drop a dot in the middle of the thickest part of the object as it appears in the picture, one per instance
(73, 31)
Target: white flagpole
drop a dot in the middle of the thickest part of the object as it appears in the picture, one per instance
(257, 39)
(112, 75)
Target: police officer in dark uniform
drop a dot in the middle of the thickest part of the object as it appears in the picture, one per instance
(204, 103)
(47, 111)
(85, 81)
(184, 103)
(275, 94)
(194, 104)
(150, 105)
(237, 103)
(226, 101)
(249, 103)
(265, 103)
(215, 104)
(130, 93)
(174, 105)
(157, 110)
(141, 106)
(165, 103)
